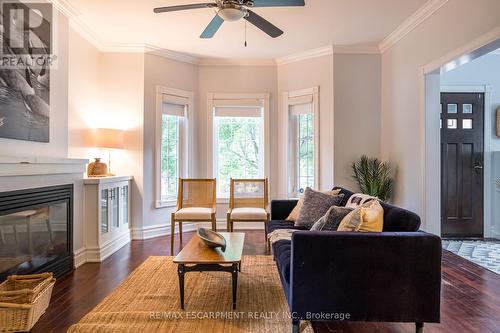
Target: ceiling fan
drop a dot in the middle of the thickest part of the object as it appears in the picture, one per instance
(234, 10)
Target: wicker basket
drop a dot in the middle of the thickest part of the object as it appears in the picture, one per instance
(23, 299)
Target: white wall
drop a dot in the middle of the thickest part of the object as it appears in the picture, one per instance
(301, 75)
(84, 88)
(58, 141)
(159, 71)
(357, 112)
(106, 90)
(454, 25)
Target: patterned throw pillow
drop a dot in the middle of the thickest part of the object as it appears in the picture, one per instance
(368, 217)
(358, 199)
(296, 210)
(315, 205)
(331, 220)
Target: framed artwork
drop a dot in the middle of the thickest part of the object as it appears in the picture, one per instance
(25, 70)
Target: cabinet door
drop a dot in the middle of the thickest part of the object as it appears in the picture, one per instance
(115, 213)
(124, 204)
(105, 199)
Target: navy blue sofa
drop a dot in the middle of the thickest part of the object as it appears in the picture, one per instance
(392, 276)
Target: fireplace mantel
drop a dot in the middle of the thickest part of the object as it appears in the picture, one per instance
(31, 166)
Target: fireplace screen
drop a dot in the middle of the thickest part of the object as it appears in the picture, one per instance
(36, 237)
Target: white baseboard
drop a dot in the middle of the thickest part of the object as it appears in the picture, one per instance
(494, 234)
(79, 257)
(98, 254)
(159, 230)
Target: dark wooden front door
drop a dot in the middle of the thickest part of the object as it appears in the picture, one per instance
(462, 155)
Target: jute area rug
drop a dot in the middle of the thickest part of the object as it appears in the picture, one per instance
(148, 301)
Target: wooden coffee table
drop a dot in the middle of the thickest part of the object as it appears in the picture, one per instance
(197, 257)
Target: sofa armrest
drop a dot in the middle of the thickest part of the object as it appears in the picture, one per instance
(280, 209)
(389, 276)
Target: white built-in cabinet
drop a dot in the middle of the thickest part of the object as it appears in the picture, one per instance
(106, 216)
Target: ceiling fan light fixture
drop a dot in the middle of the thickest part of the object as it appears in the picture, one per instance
(231, 14)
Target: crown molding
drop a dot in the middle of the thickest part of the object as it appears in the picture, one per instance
(423, 13)
(314, 53)
(83, 30)
(123, 48)
(172, 55)
(356, 49)
(66, 8)
(236, 62)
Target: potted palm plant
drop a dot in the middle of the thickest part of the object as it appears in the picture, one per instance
(373, 177)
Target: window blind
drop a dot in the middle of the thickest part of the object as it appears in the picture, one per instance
(238, 112)
(303, 99)
(299, 109)
(238, 108)
(174, 105)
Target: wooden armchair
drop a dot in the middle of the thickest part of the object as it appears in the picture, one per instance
(248, 202)
(196, 202)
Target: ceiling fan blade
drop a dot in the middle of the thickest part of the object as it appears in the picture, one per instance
(263, 24)
(212, 27)
(278, 3)
(184, 7)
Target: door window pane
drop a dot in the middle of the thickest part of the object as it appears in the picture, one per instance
(467, 108)
(452, 124)
(452, 108)
(467, 123)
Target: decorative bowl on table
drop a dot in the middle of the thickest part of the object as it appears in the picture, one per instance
(212, 239)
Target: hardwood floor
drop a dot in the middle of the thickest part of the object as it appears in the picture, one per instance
(470, 296)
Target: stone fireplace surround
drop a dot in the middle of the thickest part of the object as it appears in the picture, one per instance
(18, 173)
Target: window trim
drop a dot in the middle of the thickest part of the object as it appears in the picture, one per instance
(186, 139)
(291, 98)
(212, 99)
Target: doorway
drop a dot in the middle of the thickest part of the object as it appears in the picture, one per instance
(462, 164)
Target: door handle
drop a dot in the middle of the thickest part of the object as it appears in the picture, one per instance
(478, 167)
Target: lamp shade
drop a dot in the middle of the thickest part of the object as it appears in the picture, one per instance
(108, 138)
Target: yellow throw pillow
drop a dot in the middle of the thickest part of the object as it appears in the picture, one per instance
(372, 217)
(296, 210)
(368, 217)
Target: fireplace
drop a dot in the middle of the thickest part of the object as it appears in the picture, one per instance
(36, 231)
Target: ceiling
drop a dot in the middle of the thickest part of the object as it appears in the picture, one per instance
(318, 24)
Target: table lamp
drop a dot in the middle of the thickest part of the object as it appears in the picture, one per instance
(108, 139)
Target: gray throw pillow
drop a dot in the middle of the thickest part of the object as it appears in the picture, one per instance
(331, 220)
(315, 205)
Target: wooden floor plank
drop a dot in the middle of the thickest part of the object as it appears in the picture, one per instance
(470, 294)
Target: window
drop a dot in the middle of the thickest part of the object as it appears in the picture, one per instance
(302, 138)
(304, 148)
(170, 133)
(172, 142)
(238, 142)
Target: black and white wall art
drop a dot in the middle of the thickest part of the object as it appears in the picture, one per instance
(25, 55)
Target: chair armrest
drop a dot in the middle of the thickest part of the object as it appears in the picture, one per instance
(388, 276)
(280, 209)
